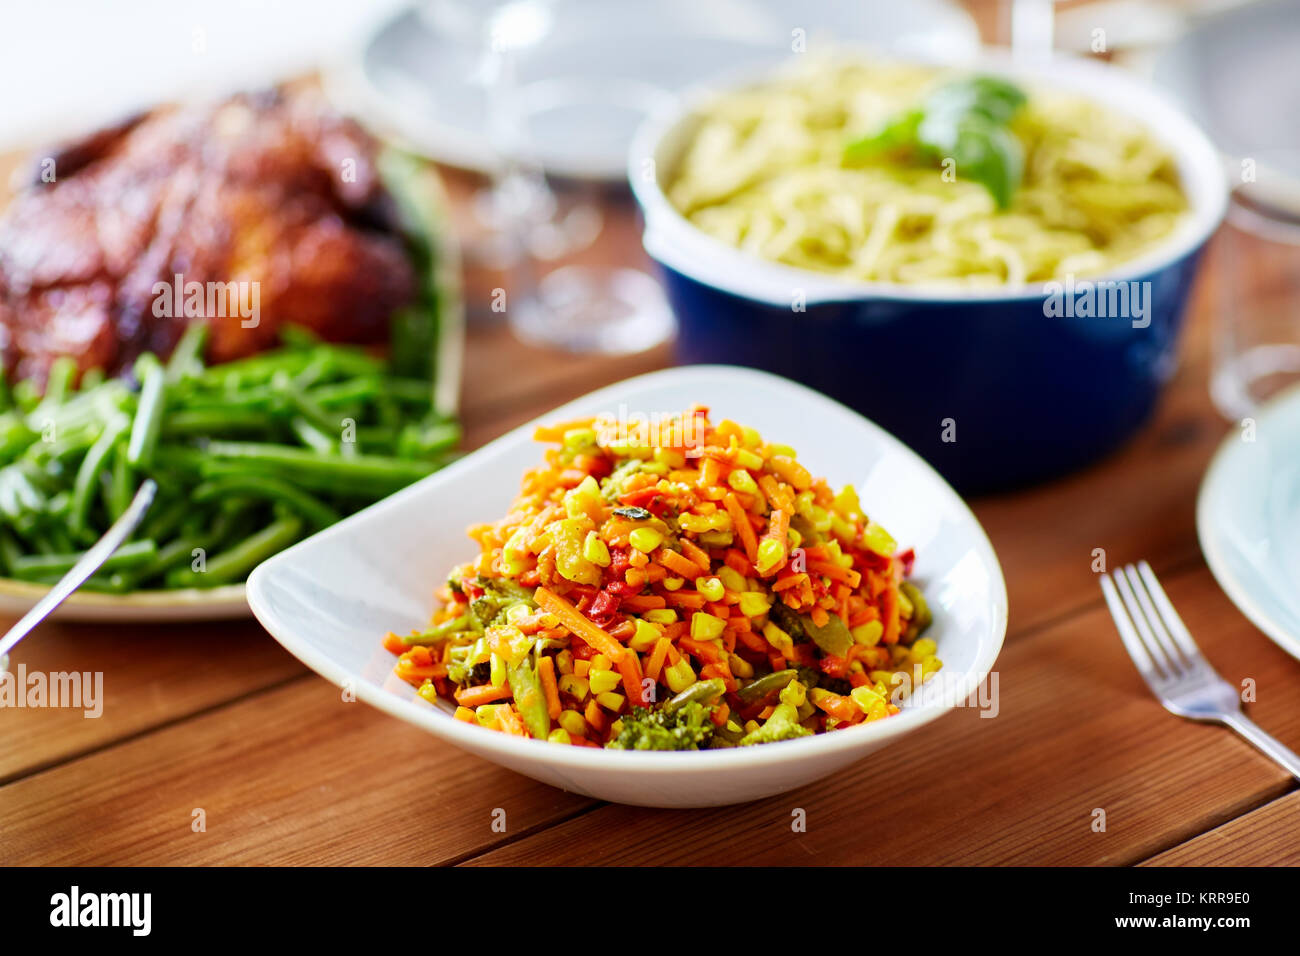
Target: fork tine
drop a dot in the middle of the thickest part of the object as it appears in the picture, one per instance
(1168, 615)
(1166, 667)
(1173, 651)
(1132, 643)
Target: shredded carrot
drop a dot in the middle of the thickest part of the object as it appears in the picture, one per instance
(740, 519)
(680, 565)
(546, 672)
(578, 624)
(477, 696)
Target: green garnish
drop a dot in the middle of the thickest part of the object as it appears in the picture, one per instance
(966, 123)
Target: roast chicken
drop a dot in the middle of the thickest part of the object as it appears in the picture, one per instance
(271, 196)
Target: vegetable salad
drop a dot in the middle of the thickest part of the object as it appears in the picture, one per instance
(675, 586)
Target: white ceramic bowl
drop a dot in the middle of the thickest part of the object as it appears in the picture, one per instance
(330, 599)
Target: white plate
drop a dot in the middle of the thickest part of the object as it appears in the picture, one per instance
(330, 599)
(1248, 520)
(191, 604)
(423, 84)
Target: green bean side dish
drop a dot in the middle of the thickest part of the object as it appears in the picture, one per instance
(249, 457)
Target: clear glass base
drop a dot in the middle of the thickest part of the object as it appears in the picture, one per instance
(592, 309)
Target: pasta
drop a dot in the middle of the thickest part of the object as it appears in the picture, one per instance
(765, 171)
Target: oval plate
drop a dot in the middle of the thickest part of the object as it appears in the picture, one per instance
(1248, 520)
(189, 604)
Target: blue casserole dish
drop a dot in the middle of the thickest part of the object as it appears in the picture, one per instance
(995, 388)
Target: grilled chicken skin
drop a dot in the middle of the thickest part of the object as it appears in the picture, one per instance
(269, 197)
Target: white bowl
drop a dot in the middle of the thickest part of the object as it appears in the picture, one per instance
(330, 599)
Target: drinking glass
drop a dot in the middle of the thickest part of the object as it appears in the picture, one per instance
(1257, 329)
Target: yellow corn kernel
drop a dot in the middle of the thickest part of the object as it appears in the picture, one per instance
(929, 665)
(514, 553)
(877, 539)
(610, 701)
(731, 579)
(581, 668)
(778, 639)
(905, 606)
(600, 662)
(868, 634)
(740, 667)
(923, 647)
(497, 672)
(754, 604)
(645, 539)
(564, 661)
(742, 481)
(602, 681)
(750, 436)
(794, 537)
(847, 503)
(679, 676)
(559, 736)
(770, 554)
(574, 685)
(577, 438)
(595, 550)
(579, 500)
(670, 457)
(674, 584)
(573, 722)
(428, 692)
(464, 714)
(646, 636)
(790, 471)
(486, 714)
(706, 627)
(872, 704)
(820, 519)
(745, 458)
(711, 588)
(661, 615)
(784, 450)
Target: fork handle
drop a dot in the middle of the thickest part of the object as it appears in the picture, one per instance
(1266, 743)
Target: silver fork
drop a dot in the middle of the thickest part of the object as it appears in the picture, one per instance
(1171, 663)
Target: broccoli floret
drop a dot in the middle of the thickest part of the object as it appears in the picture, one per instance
(784, 722)
(499, 595)
(686, 728)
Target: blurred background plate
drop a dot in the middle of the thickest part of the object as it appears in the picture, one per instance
(1234, 72)
(1248, 519)
(421, 74)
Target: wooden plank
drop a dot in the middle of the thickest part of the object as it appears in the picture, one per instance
(150, 676)
(291, 776)
(1077, 731)
(1269, 836)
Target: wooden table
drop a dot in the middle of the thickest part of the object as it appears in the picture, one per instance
(217, 718)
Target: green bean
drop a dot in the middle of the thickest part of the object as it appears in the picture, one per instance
(121, 484)
(187, 356)
(758, 689)
(148, 416)
(131, 554)
(312, 436)
(313, 509)
(88, 473)
(205, 421)
(702, 691)
(308, 466)
(233, 564)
